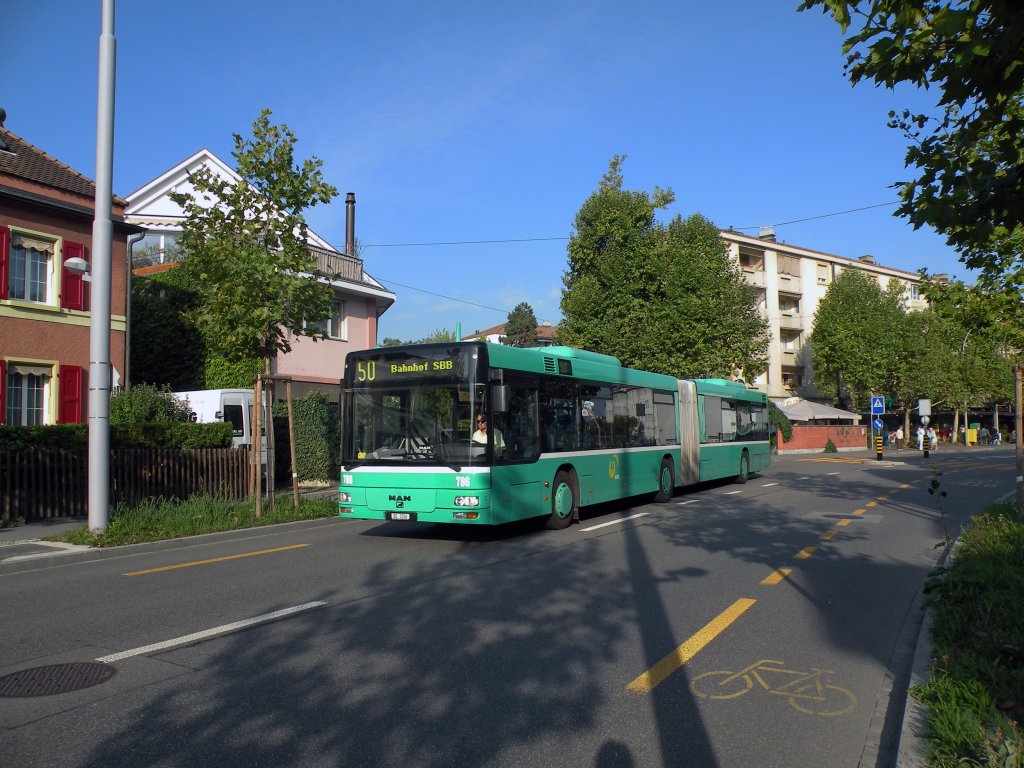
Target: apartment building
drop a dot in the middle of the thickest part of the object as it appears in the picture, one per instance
(791, 282)
(46, 221)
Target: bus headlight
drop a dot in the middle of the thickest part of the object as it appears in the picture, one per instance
(345, 498)
(467, 501)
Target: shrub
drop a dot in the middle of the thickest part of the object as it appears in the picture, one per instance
(75, 437)
(317, 438)
(144, 404)
(830, 447)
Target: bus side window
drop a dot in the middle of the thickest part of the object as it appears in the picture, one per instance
(519, 424)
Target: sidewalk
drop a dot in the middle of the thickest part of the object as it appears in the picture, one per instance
(24, 542)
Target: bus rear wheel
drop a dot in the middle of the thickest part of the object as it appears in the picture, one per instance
(744, 474)
(563, 501)
(666, 482)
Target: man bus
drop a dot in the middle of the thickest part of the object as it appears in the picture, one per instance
(566, 428)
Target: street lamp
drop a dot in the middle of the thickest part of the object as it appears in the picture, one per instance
(79, 266)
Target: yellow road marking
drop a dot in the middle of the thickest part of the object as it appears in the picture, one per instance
(776, 577)
(213, 560)
(883, 498)
(827, 535)
(871, 504)
(905, 485)
(844, 522)
(657, 674)
(806, 552)
(859, 511)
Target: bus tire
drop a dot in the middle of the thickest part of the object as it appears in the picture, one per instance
(744, 473)
(666, 482)
(563, 501)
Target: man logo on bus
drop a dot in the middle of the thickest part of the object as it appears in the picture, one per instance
(613, 468)
(396, 497)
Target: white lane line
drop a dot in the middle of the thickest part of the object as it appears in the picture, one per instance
(731, 493)
(614, 522)
(768, 485)
(210, 632)
(684, 503)
(805, 477)
(832, 473)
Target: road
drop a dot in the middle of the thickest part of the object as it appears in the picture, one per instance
(614, 643)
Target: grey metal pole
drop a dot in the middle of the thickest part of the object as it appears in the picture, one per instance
(102, 243)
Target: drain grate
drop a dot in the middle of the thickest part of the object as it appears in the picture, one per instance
(54, 678)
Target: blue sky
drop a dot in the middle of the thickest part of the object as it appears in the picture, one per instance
(468, 121)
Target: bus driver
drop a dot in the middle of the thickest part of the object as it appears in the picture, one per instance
(480, 436)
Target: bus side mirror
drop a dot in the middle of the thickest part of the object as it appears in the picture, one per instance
(499, 398)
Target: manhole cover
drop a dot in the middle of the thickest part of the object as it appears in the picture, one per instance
(54, 678)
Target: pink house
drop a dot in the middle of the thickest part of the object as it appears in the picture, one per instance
(359, 300)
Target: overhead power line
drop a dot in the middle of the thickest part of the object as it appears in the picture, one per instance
(462, 242)
(544, 239)
(442, 296)
(826, 215)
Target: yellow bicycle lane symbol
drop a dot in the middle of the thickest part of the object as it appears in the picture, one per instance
(807, 692)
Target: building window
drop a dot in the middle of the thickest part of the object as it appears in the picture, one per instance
(788, 265)
(156, 248)
(30, 269)
(789, 305)
(914, 291)
(27, 395)
(751, 259)
(823, 274)
(334, 326)
(790, 342)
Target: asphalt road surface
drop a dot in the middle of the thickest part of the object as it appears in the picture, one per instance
(765, 624)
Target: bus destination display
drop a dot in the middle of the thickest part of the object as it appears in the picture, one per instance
(395, 368)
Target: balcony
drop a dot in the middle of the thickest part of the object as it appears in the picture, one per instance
(754, 277)
(338, 265)
(790, 318)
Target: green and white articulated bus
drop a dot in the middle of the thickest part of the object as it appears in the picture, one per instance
(565, 429)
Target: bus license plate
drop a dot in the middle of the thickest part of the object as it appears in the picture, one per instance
(401, 515)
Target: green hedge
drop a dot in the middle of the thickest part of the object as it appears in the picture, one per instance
(317, 439)
(75, 437)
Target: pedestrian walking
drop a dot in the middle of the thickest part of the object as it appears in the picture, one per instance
(898, 434)
(920, 438)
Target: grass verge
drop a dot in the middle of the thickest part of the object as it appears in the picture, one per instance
(975, 696)
(159, 519)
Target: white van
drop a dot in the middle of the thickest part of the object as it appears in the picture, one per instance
(231, 405)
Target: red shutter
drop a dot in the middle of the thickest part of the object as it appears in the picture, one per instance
(3, 391)
(72, 286)
(5, 252)
(70, 410)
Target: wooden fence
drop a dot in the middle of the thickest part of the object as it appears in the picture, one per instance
(37, 484)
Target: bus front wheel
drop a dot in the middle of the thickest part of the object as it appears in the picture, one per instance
(563, 501)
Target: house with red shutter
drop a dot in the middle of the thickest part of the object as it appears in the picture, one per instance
(46, 218)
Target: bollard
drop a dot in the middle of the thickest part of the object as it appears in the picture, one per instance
(878, 449)
(924, 445)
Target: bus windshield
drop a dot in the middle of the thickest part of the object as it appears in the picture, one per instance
(421, 407)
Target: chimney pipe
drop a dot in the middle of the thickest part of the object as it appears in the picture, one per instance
(350, 224)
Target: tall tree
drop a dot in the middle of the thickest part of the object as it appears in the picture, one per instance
(970, 186)
(860, 338)
(521, 328)
(246, 247)
(661, 298)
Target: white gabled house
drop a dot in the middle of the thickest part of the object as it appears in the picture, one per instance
(358, 303)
